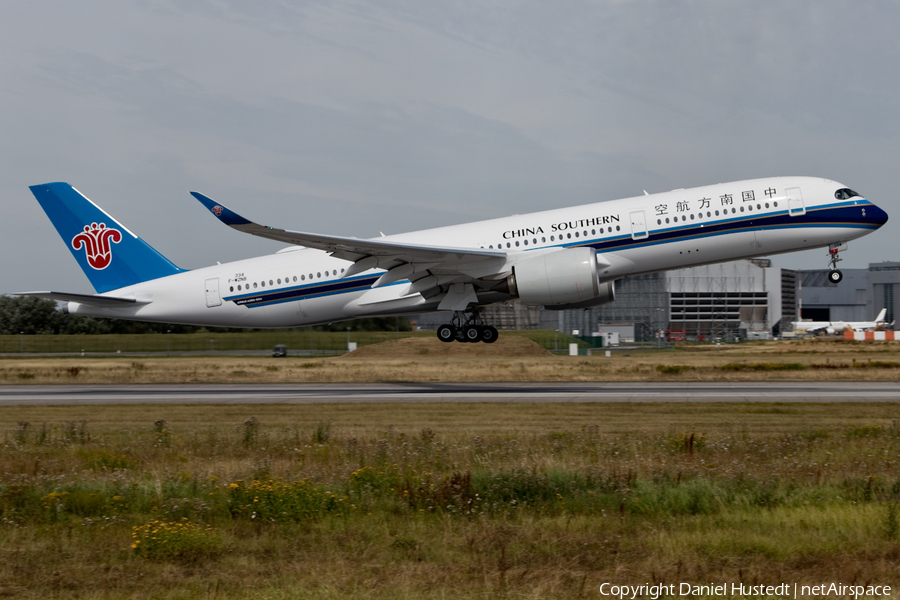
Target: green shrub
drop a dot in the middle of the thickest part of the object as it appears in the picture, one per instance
(763, 367)
(174, 540)
(276, 500)
(689, 497)
(877, 364)
(672, 369)
(100, 460)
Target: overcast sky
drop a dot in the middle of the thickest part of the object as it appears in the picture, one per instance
(352, 118)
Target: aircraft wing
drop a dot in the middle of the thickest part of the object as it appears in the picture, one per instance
(91, 299)
(427, 267)
(352, 249)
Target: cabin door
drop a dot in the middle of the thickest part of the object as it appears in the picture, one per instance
(212, 293)
(638, 225)
(795, 202)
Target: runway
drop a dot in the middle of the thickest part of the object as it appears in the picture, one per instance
(343, 393)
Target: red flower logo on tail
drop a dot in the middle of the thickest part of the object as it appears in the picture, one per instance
(96, 241)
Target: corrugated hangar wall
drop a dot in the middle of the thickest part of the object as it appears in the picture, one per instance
(641, 300)
(713, 301)
(822, 300)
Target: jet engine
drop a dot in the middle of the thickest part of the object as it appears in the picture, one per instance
(561, 280)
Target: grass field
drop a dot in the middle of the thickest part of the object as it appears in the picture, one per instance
(443, 501)
(512, 358)
(448, 501)
(216, 341)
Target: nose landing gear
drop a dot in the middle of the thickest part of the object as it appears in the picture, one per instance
(467, 327)
(835, 276)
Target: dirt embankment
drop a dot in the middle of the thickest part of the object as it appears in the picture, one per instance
(506, 346)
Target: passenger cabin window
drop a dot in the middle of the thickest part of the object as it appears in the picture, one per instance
(845, 194)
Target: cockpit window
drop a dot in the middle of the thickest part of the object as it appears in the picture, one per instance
(845, 194)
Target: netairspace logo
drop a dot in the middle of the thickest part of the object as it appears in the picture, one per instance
(787, 590)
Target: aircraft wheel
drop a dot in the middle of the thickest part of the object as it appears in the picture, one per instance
(835, 276)
(446, 333)
(472, 333)
(489, 335)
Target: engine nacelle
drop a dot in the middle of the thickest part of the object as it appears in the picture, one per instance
(558, 280)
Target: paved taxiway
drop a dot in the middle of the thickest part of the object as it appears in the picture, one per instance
(856, 391)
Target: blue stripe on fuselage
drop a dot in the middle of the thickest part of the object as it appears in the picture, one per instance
(303, 292)
(832, 215)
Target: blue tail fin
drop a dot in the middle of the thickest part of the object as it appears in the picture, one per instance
(109, 254)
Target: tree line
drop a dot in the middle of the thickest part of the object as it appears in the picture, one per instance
(35, 316)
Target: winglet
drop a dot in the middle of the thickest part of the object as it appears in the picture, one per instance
(224, 214)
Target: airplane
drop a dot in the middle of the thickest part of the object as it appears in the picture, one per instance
(832, 327)
(562, 258)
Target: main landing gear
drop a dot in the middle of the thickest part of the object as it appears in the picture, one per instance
(467, 327)
(835, 276)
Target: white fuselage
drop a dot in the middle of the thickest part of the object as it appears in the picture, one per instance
(682, 228)
(838, 326)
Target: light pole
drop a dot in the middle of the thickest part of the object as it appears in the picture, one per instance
(21, 346)
(658, 325)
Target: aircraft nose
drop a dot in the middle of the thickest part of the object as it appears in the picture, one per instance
(876, 216)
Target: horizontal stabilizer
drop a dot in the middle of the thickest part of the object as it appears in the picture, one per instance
(90, 299)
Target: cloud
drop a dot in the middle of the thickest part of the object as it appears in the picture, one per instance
(352, 117)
